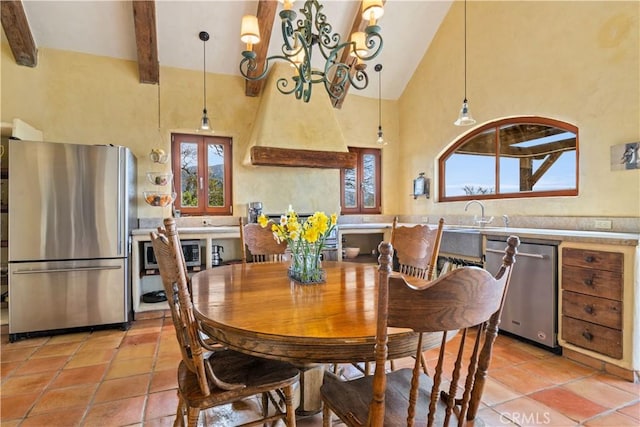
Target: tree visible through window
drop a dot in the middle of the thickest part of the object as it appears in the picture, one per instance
(202, 174)
(361, 185)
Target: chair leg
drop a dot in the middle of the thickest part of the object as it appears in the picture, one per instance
(326, 416)
(192, 417)
(288, 403)
(265, 405)
(423, 362)
(179, 421)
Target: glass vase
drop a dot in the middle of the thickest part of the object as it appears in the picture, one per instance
(306, 266)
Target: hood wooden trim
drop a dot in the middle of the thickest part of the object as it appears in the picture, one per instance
(289, 157)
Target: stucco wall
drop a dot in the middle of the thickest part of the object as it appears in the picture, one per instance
(574, 61)
(89, 99)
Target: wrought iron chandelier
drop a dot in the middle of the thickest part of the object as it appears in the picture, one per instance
(300, 36)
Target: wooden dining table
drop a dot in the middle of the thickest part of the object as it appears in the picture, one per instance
(257, 309)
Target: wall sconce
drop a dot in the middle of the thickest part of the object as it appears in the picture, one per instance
(421, 186)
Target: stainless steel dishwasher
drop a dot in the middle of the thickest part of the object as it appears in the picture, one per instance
(531, 305)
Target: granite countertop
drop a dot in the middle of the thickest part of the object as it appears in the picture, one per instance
(209, 229)
(627, 239)
(616, 238)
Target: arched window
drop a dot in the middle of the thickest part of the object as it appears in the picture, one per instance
(509, 158)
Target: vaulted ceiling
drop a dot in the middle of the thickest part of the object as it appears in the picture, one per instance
(165, 33)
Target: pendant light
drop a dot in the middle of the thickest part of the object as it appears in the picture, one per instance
(380, 140)
(464, 118)
(204, 123)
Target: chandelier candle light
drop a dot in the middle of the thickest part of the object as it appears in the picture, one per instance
(297, 49)
(306, 241)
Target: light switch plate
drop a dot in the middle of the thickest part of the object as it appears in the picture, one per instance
(603, 224)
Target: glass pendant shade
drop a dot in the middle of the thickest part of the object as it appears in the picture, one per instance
(464, 118)
(204, 123)
(381, 140)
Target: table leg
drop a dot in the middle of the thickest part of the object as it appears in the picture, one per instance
(310, 382)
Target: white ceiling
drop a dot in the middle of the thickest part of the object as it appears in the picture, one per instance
(106, 28)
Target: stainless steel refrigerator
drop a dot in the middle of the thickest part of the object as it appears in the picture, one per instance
(71, 210)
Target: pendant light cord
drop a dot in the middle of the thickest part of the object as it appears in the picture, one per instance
(465, 50)
(380, 96)
(158, 106)
(204, 73)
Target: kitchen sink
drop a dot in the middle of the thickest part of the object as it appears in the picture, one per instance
(464, 242)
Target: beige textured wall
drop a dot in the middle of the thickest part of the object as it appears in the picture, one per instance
(574, 61)
(82, 98)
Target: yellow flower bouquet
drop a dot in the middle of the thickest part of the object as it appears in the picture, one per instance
(306, 241)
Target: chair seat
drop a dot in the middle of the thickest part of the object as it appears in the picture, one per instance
(353, 398)
(256, 374)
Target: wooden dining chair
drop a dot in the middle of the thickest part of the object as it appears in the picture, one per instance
(416, 251)
(261, 244)
(467, 302)
(209, 377)
(416, 248)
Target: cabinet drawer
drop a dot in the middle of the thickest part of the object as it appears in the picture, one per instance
(601, 311)
(599, 283)
(610, 261)
(598, 338)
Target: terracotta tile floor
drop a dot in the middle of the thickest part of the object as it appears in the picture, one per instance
(117, 378)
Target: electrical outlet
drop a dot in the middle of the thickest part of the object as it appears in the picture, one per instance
(603, 224)
(366, 219)
(425, 219)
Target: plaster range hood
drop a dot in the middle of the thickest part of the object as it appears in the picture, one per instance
(292, 133)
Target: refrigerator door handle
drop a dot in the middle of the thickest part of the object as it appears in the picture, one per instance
(120, 218)
(63, 270)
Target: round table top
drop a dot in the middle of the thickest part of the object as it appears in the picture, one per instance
(258, 309)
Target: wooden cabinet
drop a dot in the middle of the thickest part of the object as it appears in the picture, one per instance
(592, 295)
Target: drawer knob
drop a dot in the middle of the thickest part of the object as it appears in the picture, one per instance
(587, 335)
(589, 259)
(589, 281)
(588, 309)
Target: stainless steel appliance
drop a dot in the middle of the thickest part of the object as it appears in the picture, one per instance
(255, 210)
(531, 305)
(216, 258)
(190, 249)
(71, 210)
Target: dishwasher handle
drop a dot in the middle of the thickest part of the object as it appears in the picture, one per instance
(519, 254)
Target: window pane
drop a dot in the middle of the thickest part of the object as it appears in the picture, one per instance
(188, 174)
(462, 177)
(350, 195)
(369, 181)
(215, 168)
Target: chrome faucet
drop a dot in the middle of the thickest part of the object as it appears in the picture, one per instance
(483, 220)
(505, 218)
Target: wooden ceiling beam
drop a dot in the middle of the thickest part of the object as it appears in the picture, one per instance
(266, 16)
(359, 24)
(16, 27)
(144, 18)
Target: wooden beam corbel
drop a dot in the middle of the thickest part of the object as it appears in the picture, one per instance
(266, 16)
(144, 18)
(16, 27)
